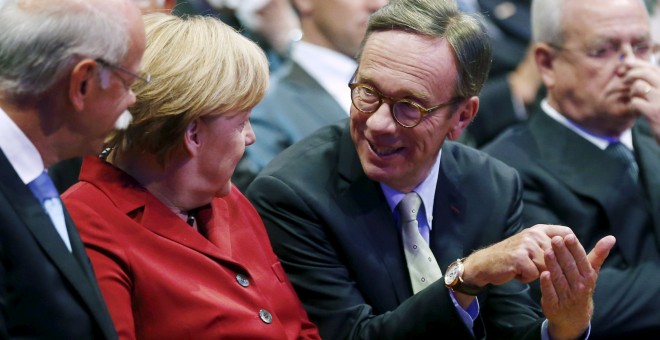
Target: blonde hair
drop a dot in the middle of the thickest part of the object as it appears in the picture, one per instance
(199, 66)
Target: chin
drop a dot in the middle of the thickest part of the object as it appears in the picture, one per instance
(224, 191)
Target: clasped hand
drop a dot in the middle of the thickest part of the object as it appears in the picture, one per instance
(554, 255)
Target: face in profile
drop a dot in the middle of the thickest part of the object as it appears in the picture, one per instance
(420, 69)
(223, 139)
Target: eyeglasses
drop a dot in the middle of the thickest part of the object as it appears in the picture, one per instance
(610, 52)
(146, 79)
(406, 112)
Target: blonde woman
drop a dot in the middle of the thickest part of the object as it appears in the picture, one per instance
(177, 250)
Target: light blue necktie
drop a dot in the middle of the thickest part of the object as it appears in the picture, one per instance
(422, 266)
(44, 190)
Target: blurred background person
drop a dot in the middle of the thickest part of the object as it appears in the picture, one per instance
(310, 91)
(514, 82)
(65, 67)
(178, 251)
(589, 156)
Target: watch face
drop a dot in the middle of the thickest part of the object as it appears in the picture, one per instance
(451, 274)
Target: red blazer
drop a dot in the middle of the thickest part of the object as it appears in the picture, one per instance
(161, 279)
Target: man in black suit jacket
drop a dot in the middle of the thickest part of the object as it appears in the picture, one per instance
(327, 201)
(63, 85)
(599, 80)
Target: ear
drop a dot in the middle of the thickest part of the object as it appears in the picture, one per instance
(544, 55)
(463, 117)
(81, 82)
(193, 137)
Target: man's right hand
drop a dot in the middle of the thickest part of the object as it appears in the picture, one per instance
(519, 257)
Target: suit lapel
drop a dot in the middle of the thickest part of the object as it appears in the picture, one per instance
(372, 217)
(647, 153)
(74, 268)
(313, 96)
(162, 221)
(449, 204)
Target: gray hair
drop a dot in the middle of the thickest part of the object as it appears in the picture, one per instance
(546, 18)
(41, 40)
(442, 19)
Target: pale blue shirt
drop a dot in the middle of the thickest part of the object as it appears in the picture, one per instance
(26, 161)
(599, 141)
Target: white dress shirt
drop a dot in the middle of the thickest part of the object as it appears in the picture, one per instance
(28, 164)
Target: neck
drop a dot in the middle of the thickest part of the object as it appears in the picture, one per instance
(40, 123)
(170, 183)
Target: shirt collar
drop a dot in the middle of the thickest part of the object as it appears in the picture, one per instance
(331, 69)
(425, 190)
(599, 141)
(19, 150)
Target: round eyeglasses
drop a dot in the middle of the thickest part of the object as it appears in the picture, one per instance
(406, 112)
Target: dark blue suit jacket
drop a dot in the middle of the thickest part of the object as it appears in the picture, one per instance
(46, 292)
(569, 181)
(336, 237)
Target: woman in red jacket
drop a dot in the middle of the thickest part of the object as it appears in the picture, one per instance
(179, 252)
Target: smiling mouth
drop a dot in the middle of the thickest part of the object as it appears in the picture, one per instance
(384, 152)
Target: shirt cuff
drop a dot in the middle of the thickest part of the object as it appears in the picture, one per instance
(470, 314)
(546, 336)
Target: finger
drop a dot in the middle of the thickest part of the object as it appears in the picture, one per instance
(579, 255)
(598, 255)
(552, 230)
(528, 271)
(641, 88)
(646, 106)
(549, 298)
(648, 73)
(561, 267)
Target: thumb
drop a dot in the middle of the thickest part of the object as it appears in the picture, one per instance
(598, 255)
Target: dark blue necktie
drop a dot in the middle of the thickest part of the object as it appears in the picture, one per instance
(624, 155)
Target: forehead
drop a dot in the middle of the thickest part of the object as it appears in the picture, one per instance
(398, 61)
(589, 20)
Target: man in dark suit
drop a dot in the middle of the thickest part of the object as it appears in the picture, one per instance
(330, 203)
(599, 80)
(66, 67)
(309, 91)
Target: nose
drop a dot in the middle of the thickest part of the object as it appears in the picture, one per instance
(250, 137)
(382, 119)
(625, 61)
(627, 53)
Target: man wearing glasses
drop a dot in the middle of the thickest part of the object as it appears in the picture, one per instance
(589, 157)
(66, 68)
(389, 232)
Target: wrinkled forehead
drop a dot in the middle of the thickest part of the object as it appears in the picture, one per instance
(619, 20)
(398, 59)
